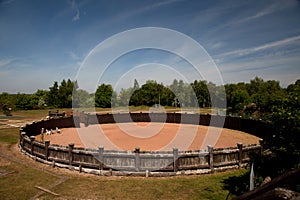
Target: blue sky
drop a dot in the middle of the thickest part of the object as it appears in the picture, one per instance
(46, 41)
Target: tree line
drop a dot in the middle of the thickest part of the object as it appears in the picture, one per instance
(257, 96)
(58, 96)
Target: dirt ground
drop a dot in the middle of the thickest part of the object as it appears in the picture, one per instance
(150, 136)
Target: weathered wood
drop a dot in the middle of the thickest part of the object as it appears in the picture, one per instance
(71, 146)
(240, 155)
(46, 190)
(211, 157)
(137, 159)
(32, 138)
(175, 159)
(47, 143)
(101, 151)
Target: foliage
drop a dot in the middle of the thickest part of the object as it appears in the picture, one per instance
(6, 103)
(152, 93)
(202, 93)
(284, 141)
(38, 99)
(82, 99)
(103, 96)
(124, 96)
(23, 102)
(60, 96)
(256, 97)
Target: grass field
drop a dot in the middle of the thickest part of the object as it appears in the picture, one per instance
(19, 175)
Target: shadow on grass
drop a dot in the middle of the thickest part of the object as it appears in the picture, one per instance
(240, 184)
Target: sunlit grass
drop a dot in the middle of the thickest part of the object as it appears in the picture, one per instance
(9, 135)
(21, 181)
(193, 187)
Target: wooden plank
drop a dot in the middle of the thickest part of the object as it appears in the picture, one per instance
(46, 190)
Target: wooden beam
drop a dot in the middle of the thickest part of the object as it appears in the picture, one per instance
(46, 190)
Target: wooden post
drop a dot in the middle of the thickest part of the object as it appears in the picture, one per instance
(21, 138)
(137, 159)
(71, 146)
(175, 159)
(101, 158)
(261, 142)
(211, 158)
(86, 120)
(32, 138)
(42, 134)
(23, 134)
(240, 155)
(47, 143)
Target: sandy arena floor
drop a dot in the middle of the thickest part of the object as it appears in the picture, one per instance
(150, 136)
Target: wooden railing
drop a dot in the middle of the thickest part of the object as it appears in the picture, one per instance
(140, 162)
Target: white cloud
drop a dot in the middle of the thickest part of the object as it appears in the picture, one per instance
(275, 7)
(74, 7)
(283, 68)
(7, 61)
(242, 52)
(163, 3)
(73, 55)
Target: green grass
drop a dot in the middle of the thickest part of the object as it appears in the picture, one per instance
(35, 114)
(21, 182)
(193, 187)
(9, 135)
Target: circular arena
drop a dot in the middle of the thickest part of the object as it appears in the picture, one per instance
(147, 136)
(146, 144)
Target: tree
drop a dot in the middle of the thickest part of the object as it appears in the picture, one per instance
(38, 99)
(6, 103)
(152, 93)
(103, 96)
(124, 96)
(184, 94)
(65, 94)
(201, 90)
(240, 98)
(284, 140)
(82, 99)
(52, 97)
(23, 102)
(265, 93)
(60, 96)
(136, 85)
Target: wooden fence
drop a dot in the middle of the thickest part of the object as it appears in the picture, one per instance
(135, 161)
